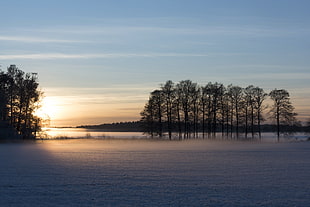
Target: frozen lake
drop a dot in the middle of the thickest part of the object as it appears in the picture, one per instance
(97, 133)
(96, 172)
(87, 133)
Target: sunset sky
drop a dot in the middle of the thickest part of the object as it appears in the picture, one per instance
(97, 61)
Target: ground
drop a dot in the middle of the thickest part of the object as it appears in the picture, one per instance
(154, 173)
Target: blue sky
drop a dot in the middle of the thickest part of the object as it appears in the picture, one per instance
(98, 60)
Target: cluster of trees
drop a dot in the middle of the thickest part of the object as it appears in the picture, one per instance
(189, 110)
(19, 98)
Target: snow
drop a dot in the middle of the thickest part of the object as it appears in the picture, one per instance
(111, 172)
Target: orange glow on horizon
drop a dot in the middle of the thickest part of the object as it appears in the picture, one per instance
(65, 111)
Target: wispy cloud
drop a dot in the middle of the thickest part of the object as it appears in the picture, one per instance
(223, 30)
(92, 56)
(37, 40)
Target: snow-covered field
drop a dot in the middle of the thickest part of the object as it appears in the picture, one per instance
(154, 173)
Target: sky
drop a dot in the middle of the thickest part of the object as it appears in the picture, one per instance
(97, 61)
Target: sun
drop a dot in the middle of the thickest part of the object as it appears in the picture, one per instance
(49, 108)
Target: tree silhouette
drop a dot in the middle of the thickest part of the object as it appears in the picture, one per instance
(4, 80)
(249, 108)
(153, 113)
(259, 96)
(19, 98)
(282, 109)
(188, 109)
(187, 91)
(204, 105)
(308, 126)
(236, 95)
(168, 93)
(148, 118)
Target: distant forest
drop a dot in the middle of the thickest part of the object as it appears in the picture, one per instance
(134, 126)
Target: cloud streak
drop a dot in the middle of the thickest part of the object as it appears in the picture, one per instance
(45, 56)
(37, 40)
(222, 30)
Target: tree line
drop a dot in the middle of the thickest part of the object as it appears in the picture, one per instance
(187, 110)
(19, 98)
(130, 126)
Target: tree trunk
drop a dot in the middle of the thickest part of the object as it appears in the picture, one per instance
(252, 120)
(258, 124)
(278, 123)
(246, 121)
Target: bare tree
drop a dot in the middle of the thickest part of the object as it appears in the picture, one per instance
(178, 106)
(195, 109)
(227, 108)
(148, 118)
(153, 113)
(187, 90)
(282, 109)
(259, 96)
(236, 94)
(249, 108)
(204, 100)
(222, 106)
(168, 93)
(156, 97)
